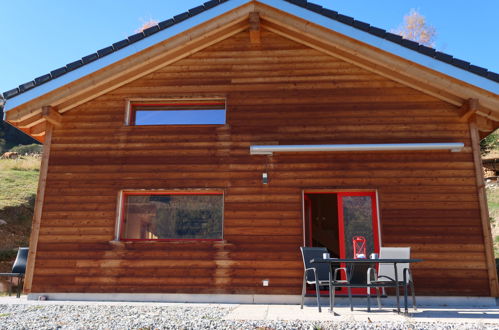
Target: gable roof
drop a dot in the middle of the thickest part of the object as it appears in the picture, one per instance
(420, 67)
(440, 56)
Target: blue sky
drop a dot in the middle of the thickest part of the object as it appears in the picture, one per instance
(40, 36)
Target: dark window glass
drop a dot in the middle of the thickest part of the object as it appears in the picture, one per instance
(358, 221)
(173, 216)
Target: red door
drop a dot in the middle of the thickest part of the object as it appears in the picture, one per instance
(351, 215)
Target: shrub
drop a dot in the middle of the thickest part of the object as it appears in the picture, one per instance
(7, 255)
(28, 149)
(489, 143)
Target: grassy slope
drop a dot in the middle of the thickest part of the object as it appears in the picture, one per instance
(18, 184)
(493, 202)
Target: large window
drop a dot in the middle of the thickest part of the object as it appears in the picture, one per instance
(177, 112)
(172, 216)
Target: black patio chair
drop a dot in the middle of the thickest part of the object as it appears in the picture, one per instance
(18, 270)
(318, 274)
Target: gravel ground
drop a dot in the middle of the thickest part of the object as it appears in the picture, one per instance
(176, 317)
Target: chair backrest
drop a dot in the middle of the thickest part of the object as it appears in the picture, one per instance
(393, 253)
(322, 269)
(21, 260)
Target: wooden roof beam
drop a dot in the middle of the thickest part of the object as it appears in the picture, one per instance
(28, 122)
(51, 115)
(254, 29)
(38, 130)
(485, 124)
(468, 109)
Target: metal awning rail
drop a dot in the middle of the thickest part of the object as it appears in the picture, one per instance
(270, 149)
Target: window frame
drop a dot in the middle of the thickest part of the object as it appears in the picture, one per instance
(130, 110)
(122, 213)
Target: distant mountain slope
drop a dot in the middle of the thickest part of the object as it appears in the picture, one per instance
(12, 135)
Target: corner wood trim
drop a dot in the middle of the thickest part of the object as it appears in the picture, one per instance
(484, 212)
(37, 216)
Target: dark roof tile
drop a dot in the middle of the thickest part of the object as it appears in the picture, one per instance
(90, 58)
(58, 72)
(329, 13)
(314, 7)
(461, 64)
(105, 51)
(196, 10)
(210, 4)
(120, 44)
(345, 19)
(136, 37)
(494, 76)
(11, 93)
(181, 17)
(43, 79)
(377, 31)
(151, 30)
(410, 44)
(444, 57)
(427, 50)
(393, 37)
(301, 3)
(361, 25)
(74, 65)
(478, 70)
(26, 86)
(165, 24)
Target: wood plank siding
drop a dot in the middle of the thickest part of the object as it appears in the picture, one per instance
(277, 91)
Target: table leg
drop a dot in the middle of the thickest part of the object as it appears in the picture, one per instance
(397, 288)
(331, 303)
(406, 310)
(349, 288)
(368, 299)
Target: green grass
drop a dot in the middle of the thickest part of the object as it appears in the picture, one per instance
(493, 203)
(18, 181)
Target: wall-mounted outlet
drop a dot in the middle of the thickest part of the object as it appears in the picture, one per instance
(265, 282)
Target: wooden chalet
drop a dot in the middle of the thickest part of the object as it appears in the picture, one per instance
(192, 160)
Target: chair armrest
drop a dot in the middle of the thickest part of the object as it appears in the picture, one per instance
(12, 274)
(406, 272)
(313, 270)
(374, 272)
(335, 274)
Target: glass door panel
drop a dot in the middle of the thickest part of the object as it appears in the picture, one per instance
(359, 235)
(357, 220)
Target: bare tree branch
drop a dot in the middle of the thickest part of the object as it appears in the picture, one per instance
(416, 29)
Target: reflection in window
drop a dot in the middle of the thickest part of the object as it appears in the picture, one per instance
(178, 112)
(358, 221)
(173, 216)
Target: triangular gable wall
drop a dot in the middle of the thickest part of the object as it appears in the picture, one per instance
(234, 19)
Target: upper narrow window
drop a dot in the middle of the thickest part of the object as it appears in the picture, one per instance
(178, 112)
(172, 215)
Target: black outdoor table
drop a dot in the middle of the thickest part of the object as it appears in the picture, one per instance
(371, 262)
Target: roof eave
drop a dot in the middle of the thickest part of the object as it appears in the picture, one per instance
(121, 54)
(385, 45)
